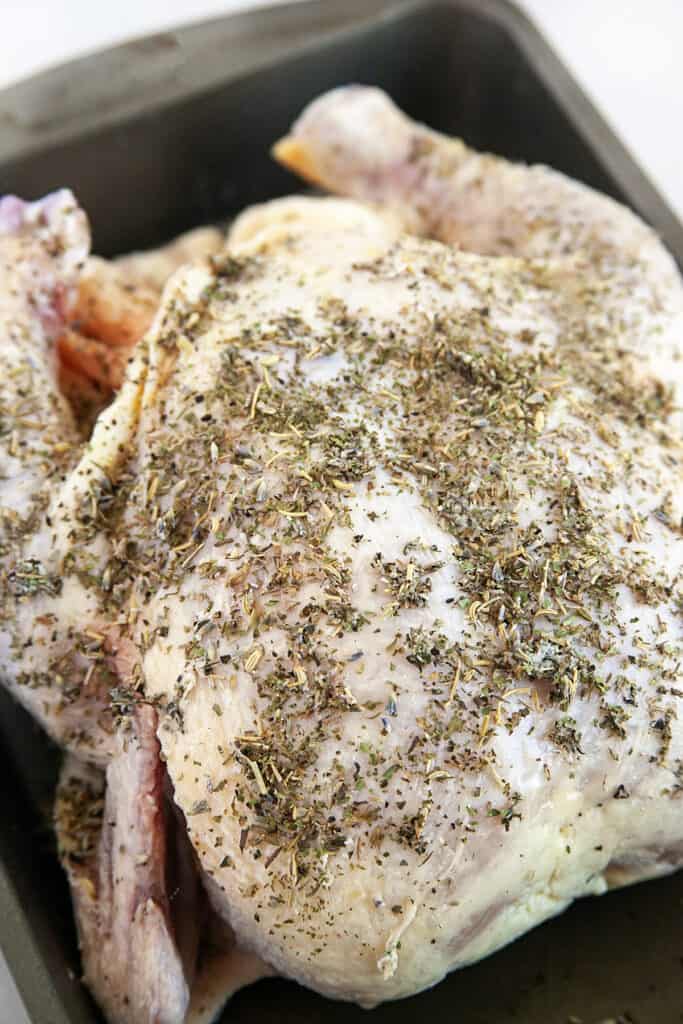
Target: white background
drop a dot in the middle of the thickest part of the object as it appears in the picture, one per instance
(627, 54)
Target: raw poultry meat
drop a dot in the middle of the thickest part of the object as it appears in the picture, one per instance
(137, 897)
(42, 249)
(114, 305)
(114, 846)
(138, 901)
(356, 142)
(385, 537)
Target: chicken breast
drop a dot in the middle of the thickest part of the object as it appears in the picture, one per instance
(394, 552)
(425, 657)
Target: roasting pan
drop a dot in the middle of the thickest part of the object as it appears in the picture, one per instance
(173, 130)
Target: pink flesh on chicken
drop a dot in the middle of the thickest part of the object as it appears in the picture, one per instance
(131, 958)
(152, 950)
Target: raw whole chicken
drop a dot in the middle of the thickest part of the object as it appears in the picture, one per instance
(367, 583)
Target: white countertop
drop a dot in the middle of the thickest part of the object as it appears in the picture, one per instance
(625, 53)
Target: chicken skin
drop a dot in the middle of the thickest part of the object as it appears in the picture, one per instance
(376, 554)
